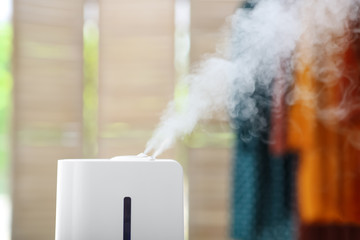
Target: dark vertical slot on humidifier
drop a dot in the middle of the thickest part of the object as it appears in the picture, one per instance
(127, 219)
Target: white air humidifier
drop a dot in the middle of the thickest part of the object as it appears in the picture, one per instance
(124, 198)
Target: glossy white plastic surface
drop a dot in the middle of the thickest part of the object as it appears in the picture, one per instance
(90, 195)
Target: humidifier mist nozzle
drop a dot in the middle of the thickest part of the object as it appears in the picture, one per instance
(141, 156)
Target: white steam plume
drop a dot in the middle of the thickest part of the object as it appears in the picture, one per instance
(260, 40)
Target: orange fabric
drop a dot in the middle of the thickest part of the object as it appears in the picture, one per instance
(329, 156)
(278, 115)
(351, 128)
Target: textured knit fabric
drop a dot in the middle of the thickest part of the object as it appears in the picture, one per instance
(263, 173)
(263, 184)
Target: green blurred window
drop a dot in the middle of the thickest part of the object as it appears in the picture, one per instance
(5, 102)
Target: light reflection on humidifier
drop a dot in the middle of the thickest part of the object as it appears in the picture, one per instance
(123, 198)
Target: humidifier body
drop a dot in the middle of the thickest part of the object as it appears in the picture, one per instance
(126, 198)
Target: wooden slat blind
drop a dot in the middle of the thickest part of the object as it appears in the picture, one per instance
(209, 187)
(209, 166)
(136, 71)
(47, 109)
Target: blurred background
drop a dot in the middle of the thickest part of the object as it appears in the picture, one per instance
(90, 79)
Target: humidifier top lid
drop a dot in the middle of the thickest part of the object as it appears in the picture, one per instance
(139, 157)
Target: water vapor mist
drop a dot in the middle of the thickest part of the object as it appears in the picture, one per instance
(262, 41)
